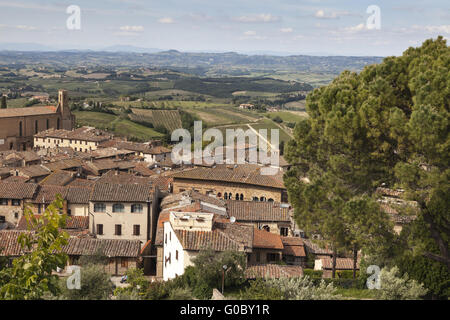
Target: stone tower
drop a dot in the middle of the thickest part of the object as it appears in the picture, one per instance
(68, 119)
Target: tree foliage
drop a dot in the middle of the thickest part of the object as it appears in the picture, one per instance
(30, 276)
(386, 125)
(394, 287)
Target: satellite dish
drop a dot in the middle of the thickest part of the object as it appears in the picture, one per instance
(232, 219)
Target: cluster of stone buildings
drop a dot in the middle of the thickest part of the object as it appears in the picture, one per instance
(129, 200)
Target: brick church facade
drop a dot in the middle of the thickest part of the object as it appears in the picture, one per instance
(18, 125)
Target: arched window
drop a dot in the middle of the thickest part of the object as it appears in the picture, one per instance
(237, 196)
(262, 199)
(118, 207)
(20, 128)
(136, 208)
(57, 124)
(255, 199)
(241, 197)
(270, 200)
(266, 228)
(225, 196)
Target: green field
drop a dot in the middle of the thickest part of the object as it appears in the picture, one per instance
(169, 119)
(116, 124)
(286, 116)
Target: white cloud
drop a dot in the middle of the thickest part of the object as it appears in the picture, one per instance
(166, 20)
(321, 14)
(257, 18)
(286, 30)
(359, 27)
(19, 27)
(132, 28)
(250, 33)
(437, 29)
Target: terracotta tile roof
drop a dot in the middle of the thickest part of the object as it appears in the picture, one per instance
(108, 164)
(111, 247)
(341, 263)
(257, 211)
(267, 240)
(314, 248)
(72, 222)
(109, 153)
(34, 171)
(26, 111)
(63, 164)
(162, 182)
(176, 199)
(83, 133)
(79, 195)
(197, 240)
(114, 177)
(273, 271)
(121, 192)
(47, 194)
(244, 174)
(16, 179)
(81, 183)
(28, 156)
(58, 178)
(9, 247)
(293, 246)
(17, 190)
(143, 170)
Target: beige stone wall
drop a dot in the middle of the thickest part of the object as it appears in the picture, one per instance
(126, 219)
(77, 145)
(248, 191)
(275, 227)
(10, 132)
(9, 211)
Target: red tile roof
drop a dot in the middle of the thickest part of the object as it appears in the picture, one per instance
(121, 192)
(110, 247)
(257, 211)
(293, 246)
(72, 222)
(27, 111)
(17, 190)
(244, 174)
(266, 240)
(273, 271)
(341, 263)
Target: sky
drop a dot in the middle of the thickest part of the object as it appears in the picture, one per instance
(329, 27)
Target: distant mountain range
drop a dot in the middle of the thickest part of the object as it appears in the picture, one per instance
(198, 62)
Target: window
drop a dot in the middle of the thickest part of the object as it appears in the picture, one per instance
(255, 199)
(270, 200)
(118, 230)
(16, 215)
(99, 207)
(39, 208)
(136, 230)
(284, 231)
(36, 129)
(4, 202)
(99, 229)
(57, 124)
(241, 197)
(237, 196)
(118, 207)
(176, 254)
(48, 124)
(262, 199)
(272, 257)
(225, 196)
(136, 208)
(15, 202)
(219, 195)
(20, 128)
(165, 241)
(69, 212)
